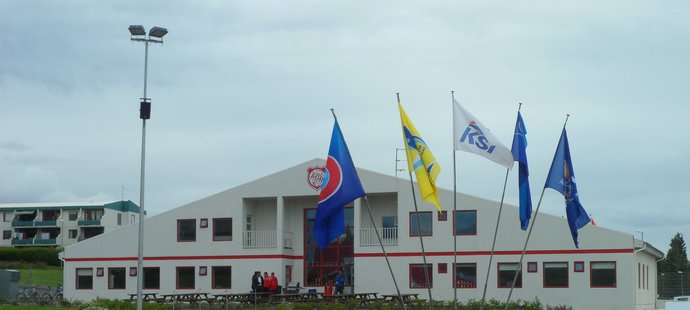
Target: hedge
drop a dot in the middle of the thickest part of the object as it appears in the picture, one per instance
(47, 256)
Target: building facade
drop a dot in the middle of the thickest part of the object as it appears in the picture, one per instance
(61, 224)
(215, 244)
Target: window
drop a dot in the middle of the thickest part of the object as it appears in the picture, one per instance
(93, 215)
(73, 215)
(203, 270)
(72, 234)
(6, 216)
(442, 268)
(185, 278)
(465, 223)
(417, 277)
(442, 215)
(221, 277)
(152, 278)
(555, 274)
(222, 229)
(602, 274)
(506, 274)
(322, 266)
(424, 228)
(532, 267)
(203, 223)
(466, 275)
(132, 218)
(119, 219)
(84, 279)
(186, 230)
(579, 267)
(390, 227)
(116, 278)
(6, 234)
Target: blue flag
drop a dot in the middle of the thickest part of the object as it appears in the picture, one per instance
(562, 178)
(340, 186)
(520, 155)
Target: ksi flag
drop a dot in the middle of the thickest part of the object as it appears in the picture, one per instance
(562, 178)
(520, 154)
(420, 160)
(340, 186)
(470, 135)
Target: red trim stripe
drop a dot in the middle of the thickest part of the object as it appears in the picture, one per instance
(152, 258)
(486, 253)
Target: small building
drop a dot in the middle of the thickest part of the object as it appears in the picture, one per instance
(61, 224)
(215, 244)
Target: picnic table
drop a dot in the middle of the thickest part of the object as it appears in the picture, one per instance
(406, 298)
(186, 297)
(144, 297)
(244, 298)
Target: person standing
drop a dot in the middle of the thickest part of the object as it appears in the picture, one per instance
(260, 286)
(339, 282)
(274, 283)
(255, 281)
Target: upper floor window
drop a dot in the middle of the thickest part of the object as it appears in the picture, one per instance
(93, 215)
(6, 216)
(6, 234)
(222, 229)
(390, 227)
(506, 274)
(72, 215)
(186, 230)
(602, 274)
(555, 274)
(72, 234)
(465, 223)
(425, 227)
(418, 277)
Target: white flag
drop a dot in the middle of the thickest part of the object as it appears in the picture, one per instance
(470, 135)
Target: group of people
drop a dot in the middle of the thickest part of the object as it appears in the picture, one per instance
(265, 283)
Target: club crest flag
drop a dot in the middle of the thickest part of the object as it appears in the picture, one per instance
(340, 186)
(562, 178)
(420, 160)
(470, 135)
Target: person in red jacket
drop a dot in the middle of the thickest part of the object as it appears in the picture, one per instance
(274, 283)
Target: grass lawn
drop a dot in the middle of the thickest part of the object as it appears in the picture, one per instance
(44, 276)
(11, 307)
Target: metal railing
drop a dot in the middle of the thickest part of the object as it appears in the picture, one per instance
(389, 236)
(259, 239)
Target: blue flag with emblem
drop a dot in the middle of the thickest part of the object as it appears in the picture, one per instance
(340, 186)
(519, 150)
(562, 178)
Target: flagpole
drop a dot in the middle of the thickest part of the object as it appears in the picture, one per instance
(419, 233)
(378, 236)
(524, 248)
(455, 209)
(493, 245)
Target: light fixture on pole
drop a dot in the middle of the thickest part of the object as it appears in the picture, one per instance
(155, 36)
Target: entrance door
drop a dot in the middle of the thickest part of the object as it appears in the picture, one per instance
(288, 275)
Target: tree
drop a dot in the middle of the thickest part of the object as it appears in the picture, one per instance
(677, 257)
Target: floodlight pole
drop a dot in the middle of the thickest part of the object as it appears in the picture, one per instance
(139, 35)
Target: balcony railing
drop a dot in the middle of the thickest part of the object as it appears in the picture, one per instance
(89, 222)
(389, 236)
(45, 241)
(22, 223)
(16, 241)
(258, 239)
(45, 223)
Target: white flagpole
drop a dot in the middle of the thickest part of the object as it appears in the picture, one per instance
(455, 209)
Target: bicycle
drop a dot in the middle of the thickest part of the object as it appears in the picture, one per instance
(50, 297)
(27, 295)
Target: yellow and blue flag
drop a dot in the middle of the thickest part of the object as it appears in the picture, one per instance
(340, 186)
(420, 160)
(562, 178)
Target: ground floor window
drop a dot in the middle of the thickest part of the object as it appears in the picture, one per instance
(555, 274)
(185, 278)
(603, 274)
(6, 234)
(116, 278)
(221, 277)
(506, 274)
(152, 278)
(466, 275)
(418, 278)
(84, 278)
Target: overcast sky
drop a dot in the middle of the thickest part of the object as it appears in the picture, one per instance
(242, 89)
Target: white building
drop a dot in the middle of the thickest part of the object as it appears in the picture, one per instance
(61, 224)
(215, 244)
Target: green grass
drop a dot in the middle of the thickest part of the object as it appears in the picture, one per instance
(12, 307)
(44, 276)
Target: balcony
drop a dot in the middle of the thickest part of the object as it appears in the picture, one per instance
(22, 223)
(16, 241)
(258, 239)
(45, 223)
(389, 236)
(89, 222)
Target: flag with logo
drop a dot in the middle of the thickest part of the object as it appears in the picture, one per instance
(470, 135)
(340, 186)
(562, 178)
(420, 160)
(519, 150)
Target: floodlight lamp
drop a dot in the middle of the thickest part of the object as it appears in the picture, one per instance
(137, 30)
(158, 32)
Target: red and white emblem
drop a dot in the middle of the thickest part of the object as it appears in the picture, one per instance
(315, 176)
